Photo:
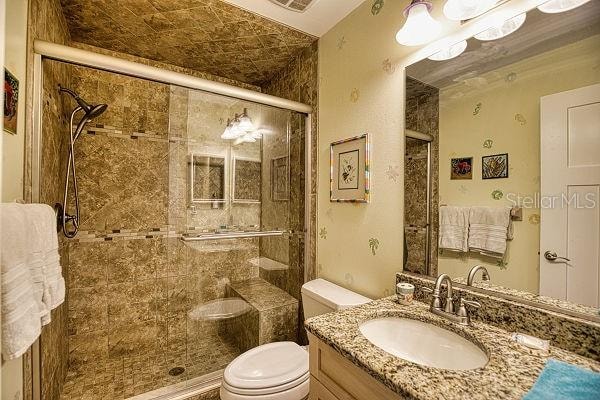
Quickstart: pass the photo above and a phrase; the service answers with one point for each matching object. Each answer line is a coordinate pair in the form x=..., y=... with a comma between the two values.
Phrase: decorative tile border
x=112, y=131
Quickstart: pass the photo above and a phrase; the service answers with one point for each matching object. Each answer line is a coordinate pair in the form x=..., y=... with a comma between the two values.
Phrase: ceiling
x=205, y=35
x=320, y=17
x=539, y=34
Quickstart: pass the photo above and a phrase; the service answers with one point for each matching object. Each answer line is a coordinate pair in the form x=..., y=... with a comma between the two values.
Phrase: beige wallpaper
x=361, y=89
x=496, y=113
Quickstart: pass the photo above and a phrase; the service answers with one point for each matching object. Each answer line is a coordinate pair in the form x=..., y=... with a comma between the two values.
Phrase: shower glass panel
x=149, y=306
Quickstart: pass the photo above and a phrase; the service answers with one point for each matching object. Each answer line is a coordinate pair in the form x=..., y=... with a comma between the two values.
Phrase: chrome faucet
x=462, y=315
x=485, y=275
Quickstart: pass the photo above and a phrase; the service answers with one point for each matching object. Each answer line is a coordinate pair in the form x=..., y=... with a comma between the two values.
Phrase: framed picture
x=11, y=102
x=349, y=173
x=461, y=168
x=495, y=166
x=279, y=179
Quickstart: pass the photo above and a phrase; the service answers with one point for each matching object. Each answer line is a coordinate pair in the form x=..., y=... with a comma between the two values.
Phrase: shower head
x=91, y=111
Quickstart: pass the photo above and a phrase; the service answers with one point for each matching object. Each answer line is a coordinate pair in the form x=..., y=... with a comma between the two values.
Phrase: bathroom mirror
x=246, y=180
x=207, y=178
x=512, y=123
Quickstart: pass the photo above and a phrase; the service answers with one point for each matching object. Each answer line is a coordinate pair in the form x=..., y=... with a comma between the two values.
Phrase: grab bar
x=232, y=235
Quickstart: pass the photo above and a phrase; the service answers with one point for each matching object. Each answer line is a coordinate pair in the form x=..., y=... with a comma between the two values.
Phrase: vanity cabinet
x=333, y=377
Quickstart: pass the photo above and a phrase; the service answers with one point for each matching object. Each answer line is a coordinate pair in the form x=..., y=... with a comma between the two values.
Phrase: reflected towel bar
x=232, y=235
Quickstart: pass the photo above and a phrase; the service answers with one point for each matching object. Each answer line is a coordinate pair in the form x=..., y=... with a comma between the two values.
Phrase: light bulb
x=502, y=29
x=420, y=27
x=558, y=6
x=460, y=10
x=450, y=52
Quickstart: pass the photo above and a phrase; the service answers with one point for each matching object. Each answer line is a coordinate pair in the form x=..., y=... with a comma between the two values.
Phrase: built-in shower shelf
x=220, y=309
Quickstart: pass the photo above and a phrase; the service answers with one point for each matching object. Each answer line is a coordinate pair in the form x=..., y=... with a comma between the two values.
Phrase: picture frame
x=280, y=179
x=11, y=102
x=207, y=177
x=349, y=170
x=461, y=168
x=494, y=166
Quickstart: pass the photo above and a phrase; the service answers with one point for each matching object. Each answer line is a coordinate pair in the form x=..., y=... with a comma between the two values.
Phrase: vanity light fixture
x=460, y=10
x=558, y=6
x=245, y=123
x=420, y=27
x=241, y=129
x=229, y=134
x=450, y=52
x=502, y=29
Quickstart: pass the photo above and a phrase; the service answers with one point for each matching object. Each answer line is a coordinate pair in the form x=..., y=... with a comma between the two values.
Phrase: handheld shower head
x=91, y=111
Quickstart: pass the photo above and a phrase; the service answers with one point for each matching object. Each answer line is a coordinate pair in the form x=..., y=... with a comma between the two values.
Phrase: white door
x=570, y=189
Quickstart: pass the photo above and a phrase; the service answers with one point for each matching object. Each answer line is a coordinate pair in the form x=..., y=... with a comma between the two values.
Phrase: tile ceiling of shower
x=205, y=35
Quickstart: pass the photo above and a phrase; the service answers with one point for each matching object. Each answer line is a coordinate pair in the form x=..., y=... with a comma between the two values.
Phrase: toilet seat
x=268, y=370
x=267, y=390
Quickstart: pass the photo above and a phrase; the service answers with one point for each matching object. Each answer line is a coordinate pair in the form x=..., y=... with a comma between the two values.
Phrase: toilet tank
x=320, y=296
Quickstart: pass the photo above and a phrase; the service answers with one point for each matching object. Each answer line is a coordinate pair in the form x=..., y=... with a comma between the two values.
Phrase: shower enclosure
x=421, y=177
x=190, y=247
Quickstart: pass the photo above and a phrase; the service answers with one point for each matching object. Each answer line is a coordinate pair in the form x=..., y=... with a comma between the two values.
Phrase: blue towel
x=562, y=381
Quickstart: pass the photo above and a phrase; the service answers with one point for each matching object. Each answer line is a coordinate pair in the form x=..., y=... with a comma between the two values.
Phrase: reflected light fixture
x=460, y=10
x=228, y=134
x=420, y=27
x=450, y=52
x=245, y=123
x=558, y=6
x=502, y=29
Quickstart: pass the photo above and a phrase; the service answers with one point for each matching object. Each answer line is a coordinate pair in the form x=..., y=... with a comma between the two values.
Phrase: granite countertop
x=511, y=371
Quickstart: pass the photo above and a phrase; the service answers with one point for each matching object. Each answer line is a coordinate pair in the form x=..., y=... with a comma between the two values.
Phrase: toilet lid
x=268, y=366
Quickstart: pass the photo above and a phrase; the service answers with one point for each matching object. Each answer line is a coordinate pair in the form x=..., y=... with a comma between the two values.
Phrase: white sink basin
x=423, y=343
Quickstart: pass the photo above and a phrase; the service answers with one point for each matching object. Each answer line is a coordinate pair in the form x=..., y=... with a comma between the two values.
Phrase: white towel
x=21, y=323
x=454, y=228
x=489, y=229
x=43, y=220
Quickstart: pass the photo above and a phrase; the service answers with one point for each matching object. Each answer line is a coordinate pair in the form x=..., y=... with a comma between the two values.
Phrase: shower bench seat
x=273, y=314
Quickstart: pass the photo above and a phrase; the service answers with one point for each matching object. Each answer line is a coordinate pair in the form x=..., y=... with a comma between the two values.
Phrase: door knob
x=551, y=256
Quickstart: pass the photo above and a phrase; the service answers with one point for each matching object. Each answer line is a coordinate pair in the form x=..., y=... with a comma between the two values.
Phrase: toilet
x=279, y=371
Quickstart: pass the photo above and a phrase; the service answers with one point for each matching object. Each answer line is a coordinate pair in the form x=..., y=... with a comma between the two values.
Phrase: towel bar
x=516, y=213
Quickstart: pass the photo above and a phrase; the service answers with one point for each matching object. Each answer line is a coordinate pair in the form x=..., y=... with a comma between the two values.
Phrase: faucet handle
x=435, y=300
x=471, y=303
x=427, y=290
x=462, y=310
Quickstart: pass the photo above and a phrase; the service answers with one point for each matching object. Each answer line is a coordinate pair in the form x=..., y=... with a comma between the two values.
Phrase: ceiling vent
x=295, y=5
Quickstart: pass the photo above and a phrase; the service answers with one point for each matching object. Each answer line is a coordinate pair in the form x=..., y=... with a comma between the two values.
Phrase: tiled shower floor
x=130, y=376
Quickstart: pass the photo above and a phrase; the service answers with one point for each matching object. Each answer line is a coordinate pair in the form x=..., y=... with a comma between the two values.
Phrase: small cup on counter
x=405, y=293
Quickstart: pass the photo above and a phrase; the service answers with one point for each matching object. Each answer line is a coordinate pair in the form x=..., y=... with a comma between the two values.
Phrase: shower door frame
x=70, y=55
x=427, y=138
